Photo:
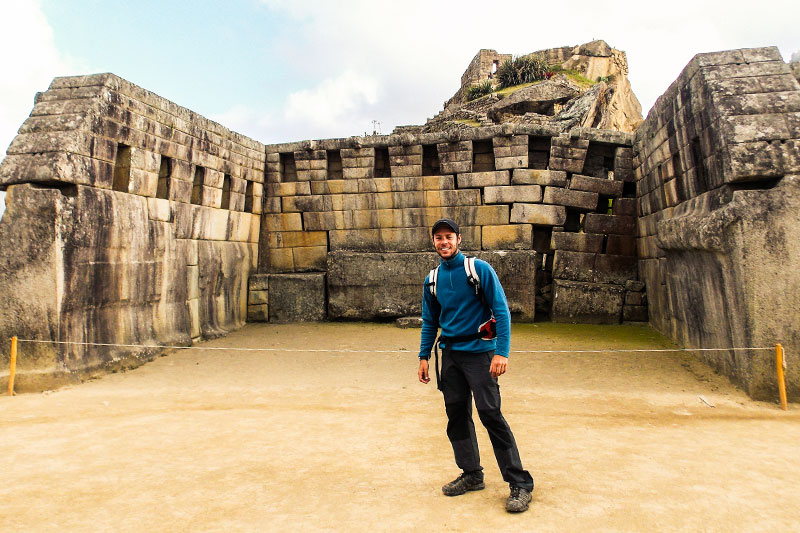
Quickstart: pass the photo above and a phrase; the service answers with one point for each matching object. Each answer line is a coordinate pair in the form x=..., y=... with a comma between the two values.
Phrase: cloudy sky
x=281, y=70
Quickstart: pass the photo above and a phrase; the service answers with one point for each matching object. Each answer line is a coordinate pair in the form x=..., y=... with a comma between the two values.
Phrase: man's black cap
x=448, y=223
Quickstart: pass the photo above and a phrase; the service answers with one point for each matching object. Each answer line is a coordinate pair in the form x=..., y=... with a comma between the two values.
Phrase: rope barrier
x=781, y=362
x=347, y=350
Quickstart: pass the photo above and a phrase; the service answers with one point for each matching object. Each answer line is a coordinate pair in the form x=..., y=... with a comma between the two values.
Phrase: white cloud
x=28, y=63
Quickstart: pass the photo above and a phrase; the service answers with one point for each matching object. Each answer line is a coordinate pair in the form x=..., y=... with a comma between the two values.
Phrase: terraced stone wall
x=717, y=164
x=557, y=213
x=129, y=220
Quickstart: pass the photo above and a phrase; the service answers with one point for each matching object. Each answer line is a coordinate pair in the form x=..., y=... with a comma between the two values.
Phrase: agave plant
x=482, y=89
x=525, y=69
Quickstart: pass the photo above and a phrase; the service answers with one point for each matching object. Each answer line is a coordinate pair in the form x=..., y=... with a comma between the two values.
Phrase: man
x=470, y=365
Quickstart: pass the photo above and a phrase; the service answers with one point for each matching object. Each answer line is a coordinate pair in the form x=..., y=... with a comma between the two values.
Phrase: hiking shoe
x=462, y=484
x=519, y=500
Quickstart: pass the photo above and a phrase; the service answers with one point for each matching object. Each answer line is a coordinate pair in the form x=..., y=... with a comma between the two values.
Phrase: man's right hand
x=422, y=373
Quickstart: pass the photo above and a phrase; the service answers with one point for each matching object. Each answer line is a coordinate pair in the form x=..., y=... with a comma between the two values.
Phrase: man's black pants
x=464, y=375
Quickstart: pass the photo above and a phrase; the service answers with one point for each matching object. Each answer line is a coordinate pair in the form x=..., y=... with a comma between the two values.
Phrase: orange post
x=12, y=366
x=781, y=381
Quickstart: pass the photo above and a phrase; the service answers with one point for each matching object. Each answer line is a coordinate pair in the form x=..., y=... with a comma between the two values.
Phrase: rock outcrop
x=608, y=104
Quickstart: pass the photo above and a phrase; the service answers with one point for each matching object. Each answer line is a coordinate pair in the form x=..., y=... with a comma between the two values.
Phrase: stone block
x=588, y=303
x=635, y=298
x=453, y=198
x=635, y=313
x=271, y=205
x=577, y=242
x=257, y=297
x=192, y=282
x=543, y=215
x=633, y=285
x=143, y=183
x=357, y=287
x=211, y=197
x=406, y=170
x=616, y=269
x=456, y=167
x=609, y=224
x=570, y=198
x=297, y=298
x=291, y=239
x=145, y=160
x=407, y=322
x=309, y=258
x=507, y=237
x=258, y=313
x=566, y=165
x=159, y=209
x=194, y=318
x=621, y=245
x=358, y=173
x=280, y=260
x=513, y=162
x=539, y=177
x=358, y=290
x=283, y=222
x=508, y=194
x=213, y=178
x=574, y=266
x=483, y=179
x=258, y=282
x=291, y=188
x=624, y=206
x=605, y=187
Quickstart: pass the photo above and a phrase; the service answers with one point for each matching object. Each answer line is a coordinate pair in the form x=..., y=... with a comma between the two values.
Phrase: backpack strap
x=475, y=281
x=433, y=276
x=472, y=275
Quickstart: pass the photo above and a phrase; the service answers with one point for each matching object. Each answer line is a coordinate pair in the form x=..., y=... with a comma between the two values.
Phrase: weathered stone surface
x=409, y=322
x=297, y=297
x=545, y=215
x=634, y=313
x=577, y=242
x=357, y=287
x=539, y=177
x=577, y=302
x=125, y=280
x=615, y=269
x=508, y=237
x=539, y=98
x=570, y=198
x=483, y=179
x=575, y=266
x=512, y=193
x=632, y=285
x=621, y=245
x=611, y=224
x=605, y=187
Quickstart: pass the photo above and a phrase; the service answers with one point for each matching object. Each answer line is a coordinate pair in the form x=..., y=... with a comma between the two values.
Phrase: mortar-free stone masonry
x=132, y=220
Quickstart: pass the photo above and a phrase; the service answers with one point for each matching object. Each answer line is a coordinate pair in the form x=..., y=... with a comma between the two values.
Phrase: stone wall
x=560, y=206
x=717, y=165
x=128, y=220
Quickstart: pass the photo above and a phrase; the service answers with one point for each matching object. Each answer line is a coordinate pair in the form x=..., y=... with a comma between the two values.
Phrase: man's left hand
x=499, y=366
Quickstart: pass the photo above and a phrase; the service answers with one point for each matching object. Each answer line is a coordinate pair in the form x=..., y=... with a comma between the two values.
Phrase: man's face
x=446, y=243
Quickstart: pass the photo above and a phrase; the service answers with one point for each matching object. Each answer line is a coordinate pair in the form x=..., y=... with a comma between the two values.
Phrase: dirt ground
x=285, y=441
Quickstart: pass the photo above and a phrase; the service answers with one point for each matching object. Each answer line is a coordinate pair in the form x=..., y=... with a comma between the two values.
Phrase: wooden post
x=12, y=366
x=781, y=380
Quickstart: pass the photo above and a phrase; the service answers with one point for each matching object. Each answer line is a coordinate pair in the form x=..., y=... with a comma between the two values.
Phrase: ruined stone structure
x=553, y=208
x=128, y=220
x=131, y=220
x=607, y=102
x=718, y=179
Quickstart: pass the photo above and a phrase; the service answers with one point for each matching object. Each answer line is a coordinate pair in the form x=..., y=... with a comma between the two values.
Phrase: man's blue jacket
x=458, y=311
